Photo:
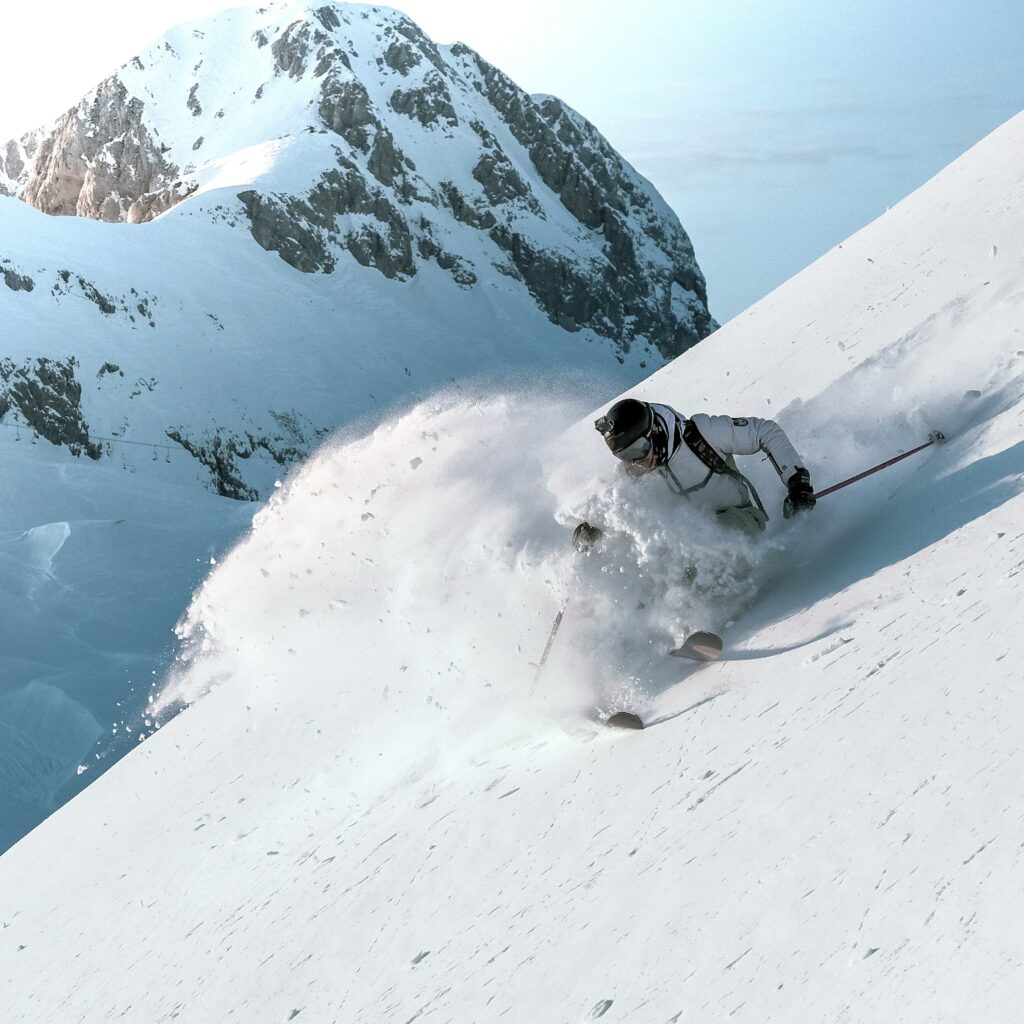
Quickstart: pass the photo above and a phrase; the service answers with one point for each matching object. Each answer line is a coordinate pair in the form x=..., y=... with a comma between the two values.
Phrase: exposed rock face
x=16, y=159
x=428, y=156
x=594, y=184
x=402, y=57
x=100, y=161
x=220, y=454
x=302, y=229
x=49, y=398
x=430, y=104
x=12, y=168
x=502, y=183
x=14, y=280
x=345, y=110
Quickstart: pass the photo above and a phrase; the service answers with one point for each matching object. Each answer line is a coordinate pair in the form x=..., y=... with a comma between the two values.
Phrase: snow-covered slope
x=377, y=812
x=95, y=570
x=273, y=223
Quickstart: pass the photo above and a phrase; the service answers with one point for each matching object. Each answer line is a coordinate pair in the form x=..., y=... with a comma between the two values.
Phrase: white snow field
x=374, y=812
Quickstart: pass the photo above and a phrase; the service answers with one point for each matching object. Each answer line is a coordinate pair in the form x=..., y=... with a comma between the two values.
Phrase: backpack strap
x=698, y=444
x=695, y=441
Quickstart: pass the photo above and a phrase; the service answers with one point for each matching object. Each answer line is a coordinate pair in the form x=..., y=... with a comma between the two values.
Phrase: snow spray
x=411, y=575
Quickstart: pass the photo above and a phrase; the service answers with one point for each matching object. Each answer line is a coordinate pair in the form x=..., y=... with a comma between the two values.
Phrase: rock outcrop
x=100, y=161
x=304, y=230
x=48, y=396
x=13, y=278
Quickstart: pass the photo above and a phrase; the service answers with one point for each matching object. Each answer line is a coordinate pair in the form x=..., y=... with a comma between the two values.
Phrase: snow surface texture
x=375, y=806
x=200, y=351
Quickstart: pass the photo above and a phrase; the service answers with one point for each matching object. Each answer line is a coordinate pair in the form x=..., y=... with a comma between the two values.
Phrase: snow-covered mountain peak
x=386, y=149
x=336, y=138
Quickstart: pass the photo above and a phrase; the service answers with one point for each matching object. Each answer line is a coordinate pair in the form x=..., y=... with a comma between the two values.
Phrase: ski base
x=624, y=720
x=699, y=647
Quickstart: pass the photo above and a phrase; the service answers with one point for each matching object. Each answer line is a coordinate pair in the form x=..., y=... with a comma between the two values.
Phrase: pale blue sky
x=773, y=129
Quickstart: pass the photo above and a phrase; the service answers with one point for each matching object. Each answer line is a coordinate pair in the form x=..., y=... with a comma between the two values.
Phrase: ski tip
x=624, y=720
x=699, y=647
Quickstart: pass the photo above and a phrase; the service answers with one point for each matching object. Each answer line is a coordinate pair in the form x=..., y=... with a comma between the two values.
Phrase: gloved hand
x=801, y=494
x=585, y=536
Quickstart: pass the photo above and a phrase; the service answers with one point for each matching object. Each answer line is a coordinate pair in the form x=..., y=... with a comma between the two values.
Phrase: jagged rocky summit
x=338, y=135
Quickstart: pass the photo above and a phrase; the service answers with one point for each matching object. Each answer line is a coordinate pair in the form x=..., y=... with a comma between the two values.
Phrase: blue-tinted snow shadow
x=759, y=653
x=891, y=532
x=669, y=672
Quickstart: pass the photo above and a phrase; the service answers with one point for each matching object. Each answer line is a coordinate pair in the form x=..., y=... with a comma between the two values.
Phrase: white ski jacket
x=685, y=472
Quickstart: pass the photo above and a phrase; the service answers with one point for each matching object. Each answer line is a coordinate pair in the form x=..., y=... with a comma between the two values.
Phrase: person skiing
x=695, y=457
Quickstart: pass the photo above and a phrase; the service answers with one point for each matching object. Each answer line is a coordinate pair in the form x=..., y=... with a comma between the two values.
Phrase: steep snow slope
x=376, y=813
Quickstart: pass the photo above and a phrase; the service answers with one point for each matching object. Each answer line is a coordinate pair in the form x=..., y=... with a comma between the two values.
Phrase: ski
x=699, y=647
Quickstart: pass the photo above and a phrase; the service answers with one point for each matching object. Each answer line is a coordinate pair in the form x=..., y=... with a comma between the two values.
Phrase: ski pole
x=936, y=437
x=551, y=640
x=584, y=537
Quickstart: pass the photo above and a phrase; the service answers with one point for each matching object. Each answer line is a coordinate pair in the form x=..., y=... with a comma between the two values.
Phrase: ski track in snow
x=368, y=814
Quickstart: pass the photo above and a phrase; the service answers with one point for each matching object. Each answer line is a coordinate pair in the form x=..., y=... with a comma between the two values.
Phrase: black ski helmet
x=624, y=422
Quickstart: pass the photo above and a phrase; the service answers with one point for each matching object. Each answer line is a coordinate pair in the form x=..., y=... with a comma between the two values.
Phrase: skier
x=695, y=458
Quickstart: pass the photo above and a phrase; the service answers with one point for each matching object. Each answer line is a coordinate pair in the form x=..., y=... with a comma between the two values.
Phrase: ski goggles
x=635, y=451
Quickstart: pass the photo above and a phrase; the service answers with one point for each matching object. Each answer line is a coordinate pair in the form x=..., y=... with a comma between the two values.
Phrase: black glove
x=585, y=536
x=801, y=496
